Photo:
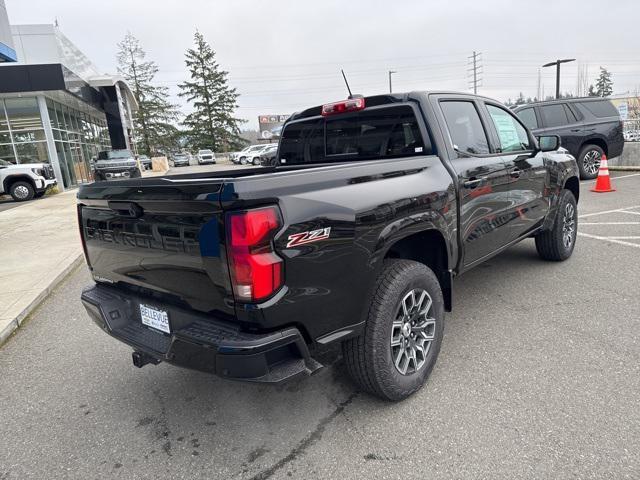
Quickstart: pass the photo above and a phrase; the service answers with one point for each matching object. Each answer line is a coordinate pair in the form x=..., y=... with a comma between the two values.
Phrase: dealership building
x=55, y=105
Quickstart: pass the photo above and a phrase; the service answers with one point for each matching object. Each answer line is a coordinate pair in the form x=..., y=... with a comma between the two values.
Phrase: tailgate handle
x=127, y=209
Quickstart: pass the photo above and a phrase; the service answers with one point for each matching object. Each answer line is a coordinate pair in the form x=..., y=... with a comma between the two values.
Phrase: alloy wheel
x=568, y=225
x=21, y=192
x=413, y=332
x=591, y=162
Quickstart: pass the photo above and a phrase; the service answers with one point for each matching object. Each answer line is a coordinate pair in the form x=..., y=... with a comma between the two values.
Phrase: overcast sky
x=285, y=55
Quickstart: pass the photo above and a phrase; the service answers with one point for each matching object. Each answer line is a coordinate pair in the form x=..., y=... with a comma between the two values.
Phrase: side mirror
x=549, y=143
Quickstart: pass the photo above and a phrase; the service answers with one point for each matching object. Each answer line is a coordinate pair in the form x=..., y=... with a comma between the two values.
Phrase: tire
x=136, y=173
x=22, y=191
x=243, y=161
x=589, y=161
x=256, y=161
x=370, y=356
x=558, y=243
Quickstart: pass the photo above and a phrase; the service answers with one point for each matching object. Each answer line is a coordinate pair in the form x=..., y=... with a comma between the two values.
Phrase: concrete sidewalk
x=39, y=246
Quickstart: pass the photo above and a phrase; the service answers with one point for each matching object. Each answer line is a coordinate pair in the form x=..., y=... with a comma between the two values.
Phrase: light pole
x=391, y=72
x=557, y=64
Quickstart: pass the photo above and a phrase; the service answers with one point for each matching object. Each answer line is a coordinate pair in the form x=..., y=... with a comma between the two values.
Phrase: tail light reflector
x=256, y=270
x=351, y=105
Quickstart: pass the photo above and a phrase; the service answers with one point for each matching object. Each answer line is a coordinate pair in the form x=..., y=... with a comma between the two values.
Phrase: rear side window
x=371, y=134
x=554, y=115
x=465, y=127
x=601, y=108
x=528, y=117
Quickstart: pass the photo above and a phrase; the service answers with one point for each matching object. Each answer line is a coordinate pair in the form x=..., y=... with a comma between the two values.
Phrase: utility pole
x=476, y=70
x=390, y=73
x=557, y=64
x=538, y=92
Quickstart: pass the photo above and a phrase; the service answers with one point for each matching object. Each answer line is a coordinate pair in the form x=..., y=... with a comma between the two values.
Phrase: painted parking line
x=614, y=177
x=609, y=223
x=624, y=209
x=628, y=211
x=609, y=239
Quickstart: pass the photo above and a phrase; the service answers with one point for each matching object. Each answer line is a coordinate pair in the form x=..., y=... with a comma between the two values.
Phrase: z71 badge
x=311, y=236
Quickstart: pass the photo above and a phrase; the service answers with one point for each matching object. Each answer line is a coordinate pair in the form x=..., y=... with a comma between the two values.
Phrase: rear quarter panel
x=368, y=206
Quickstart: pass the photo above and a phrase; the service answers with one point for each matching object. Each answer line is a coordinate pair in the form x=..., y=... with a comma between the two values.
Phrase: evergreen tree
x=155, y=119
x=212, y=123
x=592, y=91
x=604, y=84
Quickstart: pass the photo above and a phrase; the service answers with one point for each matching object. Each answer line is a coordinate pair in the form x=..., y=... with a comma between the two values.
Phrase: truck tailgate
x=158, y=238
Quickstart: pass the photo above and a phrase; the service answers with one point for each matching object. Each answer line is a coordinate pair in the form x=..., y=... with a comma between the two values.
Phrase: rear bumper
x=199, y=342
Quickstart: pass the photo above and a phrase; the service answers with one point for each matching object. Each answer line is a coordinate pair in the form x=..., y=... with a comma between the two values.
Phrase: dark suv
x=587, y=127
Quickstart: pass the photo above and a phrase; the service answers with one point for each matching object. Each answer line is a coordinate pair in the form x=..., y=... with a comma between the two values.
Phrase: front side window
x=554, y=115
x=465, y=127
x=512, y=136
x=528, y=117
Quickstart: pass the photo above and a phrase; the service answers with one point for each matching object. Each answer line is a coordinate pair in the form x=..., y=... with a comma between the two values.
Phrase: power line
x=475, y=71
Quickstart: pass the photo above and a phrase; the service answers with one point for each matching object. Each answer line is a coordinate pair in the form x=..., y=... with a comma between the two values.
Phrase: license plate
x=117, y=174
x=154, y=318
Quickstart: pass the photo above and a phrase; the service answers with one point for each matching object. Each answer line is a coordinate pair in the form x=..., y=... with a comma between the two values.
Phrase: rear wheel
x=557, y=244
x=256, y=161
x=394, y=356
x=22, y=191
x=589, y=161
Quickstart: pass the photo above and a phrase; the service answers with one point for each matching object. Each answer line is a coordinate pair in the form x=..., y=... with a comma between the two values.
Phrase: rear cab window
x=375, y=133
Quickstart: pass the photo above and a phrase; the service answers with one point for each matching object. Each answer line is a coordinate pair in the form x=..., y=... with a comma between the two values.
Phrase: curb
x=625, y=168
x=18, y=320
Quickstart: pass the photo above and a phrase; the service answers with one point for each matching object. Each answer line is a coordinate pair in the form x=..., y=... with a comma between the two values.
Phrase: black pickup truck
x=354, y=237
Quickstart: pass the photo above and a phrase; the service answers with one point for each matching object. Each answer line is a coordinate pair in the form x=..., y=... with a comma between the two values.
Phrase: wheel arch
x=597, y=141
x=573, y=185
x=10, y=180
x=428, y=247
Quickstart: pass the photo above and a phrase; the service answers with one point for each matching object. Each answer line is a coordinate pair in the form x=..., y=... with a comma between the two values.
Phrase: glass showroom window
x=6, y=144
x=25, y=131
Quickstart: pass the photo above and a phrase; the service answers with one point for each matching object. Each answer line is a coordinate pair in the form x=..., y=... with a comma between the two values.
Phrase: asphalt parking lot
x=538, y=377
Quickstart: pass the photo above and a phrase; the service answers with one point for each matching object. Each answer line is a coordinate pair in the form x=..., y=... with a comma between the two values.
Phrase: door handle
x=473, y=182
x=576, y=129
x=515, y=173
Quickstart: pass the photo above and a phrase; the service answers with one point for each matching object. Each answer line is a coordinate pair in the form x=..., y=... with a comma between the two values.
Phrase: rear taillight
x=256, y=271
x=351, y=105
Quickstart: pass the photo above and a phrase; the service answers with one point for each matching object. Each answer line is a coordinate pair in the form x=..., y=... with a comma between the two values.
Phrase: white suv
x=251, y=155
x=26, y=181
x=206, y=156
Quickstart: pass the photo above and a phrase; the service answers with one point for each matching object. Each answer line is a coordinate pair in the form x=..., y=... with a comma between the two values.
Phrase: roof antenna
x=347, y=83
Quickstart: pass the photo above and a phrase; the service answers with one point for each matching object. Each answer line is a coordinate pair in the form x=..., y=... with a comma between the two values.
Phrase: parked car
x=254, y=157
x=375, y=206
x=145, y=162
x=180, y=160
x=206, y=156
x=268, y=156
x=251, y=152
x=25, y=181
x=632, y=136
x=115, y=164
x=587, y=127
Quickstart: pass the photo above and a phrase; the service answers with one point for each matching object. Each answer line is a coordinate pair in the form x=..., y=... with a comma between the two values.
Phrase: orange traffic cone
x=603, y=182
